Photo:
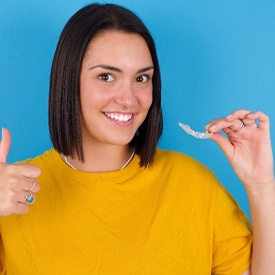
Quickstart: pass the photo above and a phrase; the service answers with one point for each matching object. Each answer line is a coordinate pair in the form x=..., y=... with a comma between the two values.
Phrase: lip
x=119, y=118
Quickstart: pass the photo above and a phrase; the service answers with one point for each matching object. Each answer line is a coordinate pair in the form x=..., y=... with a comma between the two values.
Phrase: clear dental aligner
x=193, y=133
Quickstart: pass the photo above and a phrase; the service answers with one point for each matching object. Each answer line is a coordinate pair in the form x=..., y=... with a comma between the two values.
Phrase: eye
x=106, y=77
x=143, y=78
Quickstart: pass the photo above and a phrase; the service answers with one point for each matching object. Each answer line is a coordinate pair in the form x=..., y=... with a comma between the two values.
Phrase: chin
x=123, y=141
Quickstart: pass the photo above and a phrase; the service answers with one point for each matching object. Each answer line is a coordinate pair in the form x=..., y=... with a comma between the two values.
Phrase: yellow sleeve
x=232, y=241
x=2, y=258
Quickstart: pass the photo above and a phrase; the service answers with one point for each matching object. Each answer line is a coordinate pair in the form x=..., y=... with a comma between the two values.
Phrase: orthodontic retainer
x=193, y=133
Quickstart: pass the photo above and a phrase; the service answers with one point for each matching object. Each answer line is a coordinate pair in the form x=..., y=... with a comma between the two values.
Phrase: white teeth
x=119, y=117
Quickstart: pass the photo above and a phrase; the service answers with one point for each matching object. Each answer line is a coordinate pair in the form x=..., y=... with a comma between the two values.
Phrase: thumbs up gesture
x=17, y=181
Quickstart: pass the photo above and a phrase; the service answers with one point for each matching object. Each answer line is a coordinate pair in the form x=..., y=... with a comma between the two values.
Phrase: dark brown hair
x=64, y=98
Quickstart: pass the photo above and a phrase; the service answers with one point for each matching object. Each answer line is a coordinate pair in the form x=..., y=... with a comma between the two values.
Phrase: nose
x=126, y=96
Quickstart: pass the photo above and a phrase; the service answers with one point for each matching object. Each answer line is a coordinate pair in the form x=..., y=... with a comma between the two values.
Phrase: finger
x=27, y=198
x=21, y=208
x=261, y=117
x=224, y=144
x=17, y=208
x=26, y=184
x=25, y=170
x=35, y=186
x=29, y=184
x=250, y=122
x=233, y=122
x=15, y=181
x=237, y=125
x=5, y=145
x=11, y=197
x=10, y=201
x=238, y=114
x=222, y=124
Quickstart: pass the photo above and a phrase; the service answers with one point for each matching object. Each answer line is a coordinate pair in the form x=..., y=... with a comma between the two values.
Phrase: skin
x=15, y=181
x=116, y=73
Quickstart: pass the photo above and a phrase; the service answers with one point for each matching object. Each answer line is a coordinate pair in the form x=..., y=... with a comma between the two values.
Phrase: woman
x=110, y=202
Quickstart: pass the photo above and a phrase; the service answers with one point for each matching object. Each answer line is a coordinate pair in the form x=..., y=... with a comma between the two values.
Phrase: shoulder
x=186, y=172
x=43, y=160
x=179, y=161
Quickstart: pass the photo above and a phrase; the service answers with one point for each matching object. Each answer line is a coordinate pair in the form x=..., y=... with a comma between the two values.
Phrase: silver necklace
x=123, y=166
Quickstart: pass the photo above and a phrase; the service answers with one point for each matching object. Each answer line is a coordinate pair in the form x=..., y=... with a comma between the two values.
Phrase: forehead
x=112, y=47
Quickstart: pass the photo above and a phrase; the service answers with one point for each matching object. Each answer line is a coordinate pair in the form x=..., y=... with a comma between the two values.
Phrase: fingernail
x=229, y=116
x=213, y=127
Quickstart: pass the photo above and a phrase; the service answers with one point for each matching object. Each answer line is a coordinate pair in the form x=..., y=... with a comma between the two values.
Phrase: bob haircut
x=64, y=97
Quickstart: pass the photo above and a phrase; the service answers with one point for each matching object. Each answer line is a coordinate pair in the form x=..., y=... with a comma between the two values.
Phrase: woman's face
x=116, y=74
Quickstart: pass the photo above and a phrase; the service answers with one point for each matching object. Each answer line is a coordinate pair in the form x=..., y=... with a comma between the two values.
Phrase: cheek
x=147, y=98
x=88, y=104
x=91, y=97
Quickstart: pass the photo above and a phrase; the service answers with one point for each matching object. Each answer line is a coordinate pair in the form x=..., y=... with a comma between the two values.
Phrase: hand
x=247, y=146
x=17, y=184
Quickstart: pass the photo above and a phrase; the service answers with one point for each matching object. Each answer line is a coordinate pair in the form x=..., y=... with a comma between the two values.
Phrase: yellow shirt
x=172, y=218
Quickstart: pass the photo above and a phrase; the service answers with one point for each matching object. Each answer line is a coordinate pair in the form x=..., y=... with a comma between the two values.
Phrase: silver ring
x=33, y=185
x=241, y=126
x=29, y=197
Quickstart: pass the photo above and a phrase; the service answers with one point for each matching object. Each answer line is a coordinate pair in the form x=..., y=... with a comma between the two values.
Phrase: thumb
x=224, y=144
x=5, y=145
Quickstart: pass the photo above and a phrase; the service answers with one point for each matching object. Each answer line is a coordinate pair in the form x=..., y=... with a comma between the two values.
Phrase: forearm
x=262, y=206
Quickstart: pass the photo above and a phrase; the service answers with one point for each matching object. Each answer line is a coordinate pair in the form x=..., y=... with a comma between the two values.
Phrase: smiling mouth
x=119, y=117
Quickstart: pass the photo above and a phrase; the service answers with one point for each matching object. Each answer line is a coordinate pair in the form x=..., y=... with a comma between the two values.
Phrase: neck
x=102, y=160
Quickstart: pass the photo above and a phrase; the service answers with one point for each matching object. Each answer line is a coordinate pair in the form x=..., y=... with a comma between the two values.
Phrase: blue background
x=215, y=56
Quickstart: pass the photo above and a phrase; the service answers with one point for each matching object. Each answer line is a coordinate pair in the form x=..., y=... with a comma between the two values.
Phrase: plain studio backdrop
x=215, y=56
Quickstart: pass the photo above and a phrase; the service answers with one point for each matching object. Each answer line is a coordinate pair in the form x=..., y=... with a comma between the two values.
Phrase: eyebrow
x=112, y=68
